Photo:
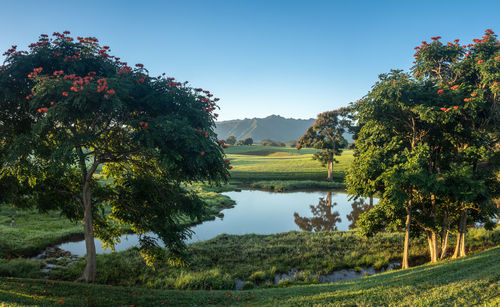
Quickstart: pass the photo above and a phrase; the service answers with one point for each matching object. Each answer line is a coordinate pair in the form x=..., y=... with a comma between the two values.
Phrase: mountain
x=274, y=127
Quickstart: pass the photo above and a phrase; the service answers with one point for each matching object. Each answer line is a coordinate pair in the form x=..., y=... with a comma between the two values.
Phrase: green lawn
x=264, y=163
x=470, y=281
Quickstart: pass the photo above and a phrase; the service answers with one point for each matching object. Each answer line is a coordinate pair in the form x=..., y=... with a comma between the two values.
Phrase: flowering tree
x=427, y=145
x=326, y=134
x=81, y=130
x=468, y=76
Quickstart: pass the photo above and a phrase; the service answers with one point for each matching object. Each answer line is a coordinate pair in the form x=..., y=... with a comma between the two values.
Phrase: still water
x=262, y=212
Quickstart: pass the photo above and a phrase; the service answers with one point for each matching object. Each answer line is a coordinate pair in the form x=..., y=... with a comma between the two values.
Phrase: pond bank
x=217, y=263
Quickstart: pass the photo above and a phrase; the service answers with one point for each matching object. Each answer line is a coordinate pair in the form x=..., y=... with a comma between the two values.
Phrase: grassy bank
x=266, y=163
x=216, y=263
x=470, y=281
x=294, y=185
x=32, y=231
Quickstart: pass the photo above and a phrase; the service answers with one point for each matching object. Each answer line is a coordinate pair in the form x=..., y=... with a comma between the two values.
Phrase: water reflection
x=325, y=219
x=263, y=212
x=358, y=207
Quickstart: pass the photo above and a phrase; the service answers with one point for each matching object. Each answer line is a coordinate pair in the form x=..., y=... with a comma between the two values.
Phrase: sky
x=290, y=58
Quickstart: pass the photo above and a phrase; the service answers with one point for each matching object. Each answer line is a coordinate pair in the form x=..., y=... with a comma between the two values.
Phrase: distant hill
x=274, y=127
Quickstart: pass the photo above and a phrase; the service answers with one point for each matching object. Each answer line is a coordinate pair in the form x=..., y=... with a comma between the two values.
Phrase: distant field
x=258, y=163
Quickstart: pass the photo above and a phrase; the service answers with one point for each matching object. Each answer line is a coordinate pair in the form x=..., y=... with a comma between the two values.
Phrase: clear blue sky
x=292, y=58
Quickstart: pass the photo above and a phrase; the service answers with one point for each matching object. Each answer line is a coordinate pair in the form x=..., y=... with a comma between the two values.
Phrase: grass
x=216, y=263
x=470, y=281
x=32, y=231
x=294, y=185
x=265, y=163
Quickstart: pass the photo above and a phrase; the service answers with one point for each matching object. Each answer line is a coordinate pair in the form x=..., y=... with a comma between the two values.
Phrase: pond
x=262, y=212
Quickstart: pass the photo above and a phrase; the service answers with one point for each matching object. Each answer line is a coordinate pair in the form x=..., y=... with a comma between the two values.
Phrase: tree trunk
x=371, y=201
x=405, y=264
x=432, y=240
x=330, y=171
x=90, y=268
x=444, y=243
x=462, y=227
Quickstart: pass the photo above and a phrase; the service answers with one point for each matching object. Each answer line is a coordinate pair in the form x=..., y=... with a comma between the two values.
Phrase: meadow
x=470, y=281
x=266, y=167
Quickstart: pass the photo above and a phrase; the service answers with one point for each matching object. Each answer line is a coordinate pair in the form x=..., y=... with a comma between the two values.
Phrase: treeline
x=231, y=140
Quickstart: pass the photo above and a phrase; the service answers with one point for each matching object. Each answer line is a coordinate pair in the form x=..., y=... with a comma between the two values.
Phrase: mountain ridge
x=273, y=127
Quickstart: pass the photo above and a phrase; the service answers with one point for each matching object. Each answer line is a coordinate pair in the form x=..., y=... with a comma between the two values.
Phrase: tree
x=291, y=143
x=326, y=134
x=390, y=151
x=248, y=141
x=72, y=114
x=231, y=140
x=420, y=148
x=469, y=75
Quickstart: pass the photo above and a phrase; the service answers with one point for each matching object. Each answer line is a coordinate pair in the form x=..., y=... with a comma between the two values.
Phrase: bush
x=212, y=279
x=248, y=285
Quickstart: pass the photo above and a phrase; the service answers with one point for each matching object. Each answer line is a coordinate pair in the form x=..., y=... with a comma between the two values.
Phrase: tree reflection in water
x=325, y=219
x=358, y=207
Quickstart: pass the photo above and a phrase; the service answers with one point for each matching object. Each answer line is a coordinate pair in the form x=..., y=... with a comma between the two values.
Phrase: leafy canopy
x=74, y=117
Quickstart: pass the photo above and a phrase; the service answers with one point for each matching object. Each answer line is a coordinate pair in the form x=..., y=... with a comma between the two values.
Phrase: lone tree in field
x=81, y=130
x=326, y=134
x=248, y=141
x=231, y=140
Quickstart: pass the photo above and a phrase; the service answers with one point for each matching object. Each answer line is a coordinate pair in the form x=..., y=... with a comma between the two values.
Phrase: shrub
x=212, y=280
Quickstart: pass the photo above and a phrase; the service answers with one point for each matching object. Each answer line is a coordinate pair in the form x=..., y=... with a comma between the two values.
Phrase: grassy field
x=470, y=281
x=265, y=163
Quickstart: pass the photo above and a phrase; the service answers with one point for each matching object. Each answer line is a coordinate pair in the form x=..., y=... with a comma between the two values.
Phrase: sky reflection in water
x=262, y=213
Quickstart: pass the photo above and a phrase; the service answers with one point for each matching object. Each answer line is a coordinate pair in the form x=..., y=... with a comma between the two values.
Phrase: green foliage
x=69, y=109
x=426, y=141
x=326, y=134
x=212, y=279
x=231, y=140
x=248, y=141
